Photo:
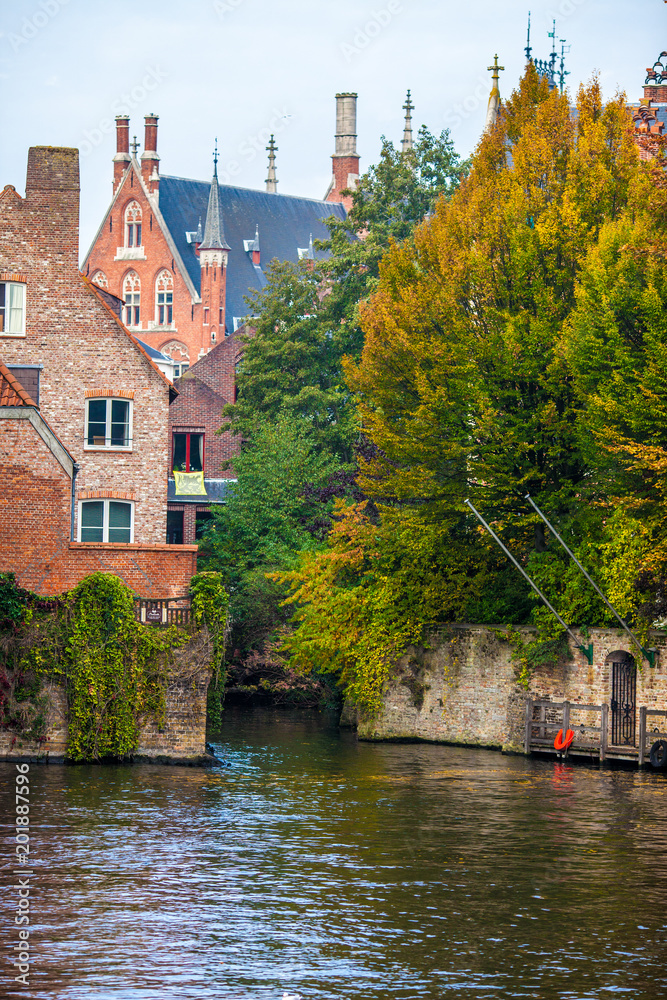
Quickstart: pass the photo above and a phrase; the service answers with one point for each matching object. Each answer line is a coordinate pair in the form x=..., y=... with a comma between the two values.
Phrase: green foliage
x=307, y=320
x=514, y=344
x=114, y=669
x=210, y=608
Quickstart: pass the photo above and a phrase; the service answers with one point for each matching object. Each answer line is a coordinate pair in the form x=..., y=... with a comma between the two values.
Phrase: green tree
x=307, y=318
x=494, y=347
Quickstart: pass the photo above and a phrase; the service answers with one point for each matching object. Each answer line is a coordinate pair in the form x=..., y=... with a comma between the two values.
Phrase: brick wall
x=34, y=505
x=470, y=694
x=80, y=343
x=181, y=738
x=203, y=391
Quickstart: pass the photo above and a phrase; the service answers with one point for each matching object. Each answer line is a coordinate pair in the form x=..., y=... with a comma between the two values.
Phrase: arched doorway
x=623, y=698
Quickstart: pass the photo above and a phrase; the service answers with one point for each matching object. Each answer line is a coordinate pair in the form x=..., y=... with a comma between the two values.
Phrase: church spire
x=408, y=107
x=271, y=180
x=494, y=97
x=214, y=233
x=528, y=50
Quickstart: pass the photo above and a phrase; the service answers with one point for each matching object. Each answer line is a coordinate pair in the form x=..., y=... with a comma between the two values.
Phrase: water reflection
x=317, y=865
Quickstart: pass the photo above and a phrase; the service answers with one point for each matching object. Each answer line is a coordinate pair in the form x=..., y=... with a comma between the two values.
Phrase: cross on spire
x=215, y=153
x=134, y=145
x=495, y=71
x=494, y=97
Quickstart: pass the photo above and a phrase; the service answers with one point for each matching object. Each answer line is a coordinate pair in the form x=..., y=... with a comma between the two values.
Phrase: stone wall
x=461, y=687
x=181, y=739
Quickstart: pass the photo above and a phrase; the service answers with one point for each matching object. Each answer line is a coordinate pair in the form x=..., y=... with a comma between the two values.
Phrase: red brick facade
x=203, y=391
x=84, y=351
x=151, y=267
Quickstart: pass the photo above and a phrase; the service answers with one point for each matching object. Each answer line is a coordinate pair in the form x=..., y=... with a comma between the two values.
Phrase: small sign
x=154, y=613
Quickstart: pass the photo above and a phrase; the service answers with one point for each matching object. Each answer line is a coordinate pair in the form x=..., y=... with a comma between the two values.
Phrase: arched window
x=132, y=297
x=164, y=298
x=100, y=278
x=133, y=224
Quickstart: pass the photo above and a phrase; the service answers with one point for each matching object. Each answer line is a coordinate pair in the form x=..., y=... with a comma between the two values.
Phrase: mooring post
x=642, y=735
x=604, y=730
x=566, y=717
x=529, y=720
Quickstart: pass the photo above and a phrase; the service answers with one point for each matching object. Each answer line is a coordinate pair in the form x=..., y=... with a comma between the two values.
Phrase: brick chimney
x=121, y=160
x=150, y=161
x=52, y=194
x=345, y=160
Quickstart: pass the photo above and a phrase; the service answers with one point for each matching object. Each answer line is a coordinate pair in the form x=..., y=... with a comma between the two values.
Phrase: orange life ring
x=563, y=744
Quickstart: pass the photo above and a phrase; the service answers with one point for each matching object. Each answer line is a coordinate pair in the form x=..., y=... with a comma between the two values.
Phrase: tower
x=213, y=254
x=345, y=160
x=406, y=142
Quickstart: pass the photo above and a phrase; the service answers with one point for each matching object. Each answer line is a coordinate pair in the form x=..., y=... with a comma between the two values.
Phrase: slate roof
x=285, y=224
x=12, y=392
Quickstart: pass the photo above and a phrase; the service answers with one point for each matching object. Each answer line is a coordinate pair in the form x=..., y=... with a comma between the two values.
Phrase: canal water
x=317, y=866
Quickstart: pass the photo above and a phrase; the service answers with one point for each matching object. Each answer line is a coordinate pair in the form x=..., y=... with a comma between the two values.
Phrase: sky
x=237, y=70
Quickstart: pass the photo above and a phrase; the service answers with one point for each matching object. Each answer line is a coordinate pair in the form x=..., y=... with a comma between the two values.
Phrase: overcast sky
x=237, y=69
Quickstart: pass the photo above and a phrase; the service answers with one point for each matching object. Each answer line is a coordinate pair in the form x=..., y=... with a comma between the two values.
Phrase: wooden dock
x=591, y=727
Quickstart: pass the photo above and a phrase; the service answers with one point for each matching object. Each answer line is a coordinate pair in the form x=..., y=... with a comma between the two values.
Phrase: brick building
x=650, y=114
x=195, y=417
x=183, y=254
x=97, y=390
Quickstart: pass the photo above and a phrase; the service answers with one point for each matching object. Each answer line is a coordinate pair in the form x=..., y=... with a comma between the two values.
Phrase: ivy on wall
x=114, y=668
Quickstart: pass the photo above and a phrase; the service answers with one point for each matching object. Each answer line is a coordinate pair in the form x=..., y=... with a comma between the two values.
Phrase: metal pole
x=644, y=652
x=525, y=575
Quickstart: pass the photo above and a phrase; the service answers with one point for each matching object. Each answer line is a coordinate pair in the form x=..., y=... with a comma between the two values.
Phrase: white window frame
x=105, y=519
x=8, y=285
x=107, y=446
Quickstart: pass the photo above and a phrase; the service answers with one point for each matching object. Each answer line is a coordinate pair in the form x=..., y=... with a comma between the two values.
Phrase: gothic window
x=132, y=297
x=99, y=278
x=133, y=224
x=164, y=298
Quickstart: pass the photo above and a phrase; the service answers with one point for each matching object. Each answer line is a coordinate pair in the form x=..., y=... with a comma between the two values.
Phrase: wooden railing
x=644, y=735
x=564, y=717
x=163, y=612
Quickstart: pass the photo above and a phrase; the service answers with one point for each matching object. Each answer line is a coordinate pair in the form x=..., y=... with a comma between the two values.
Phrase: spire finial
x=528, y=49
x=135, y=145
x=408, y=107
x=494, y=97
x=271, y=180
x=215, y=156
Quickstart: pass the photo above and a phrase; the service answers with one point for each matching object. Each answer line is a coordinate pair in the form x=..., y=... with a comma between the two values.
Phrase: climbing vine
x=210, y=609
x=114, y=669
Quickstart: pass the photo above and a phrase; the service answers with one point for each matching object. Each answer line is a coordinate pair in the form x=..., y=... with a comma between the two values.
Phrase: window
x=105, y=521
x=188, y=452
x=213, y=336
x=179, y=369
x=174, y=527
x=108, y=423
x=12, y=308
x=205, y=317
x=132, y=297
x=133, y=224
x=164, y=292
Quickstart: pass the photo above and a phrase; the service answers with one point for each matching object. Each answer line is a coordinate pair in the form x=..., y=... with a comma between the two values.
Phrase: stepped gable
x=12, y=392
x=284, y=223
